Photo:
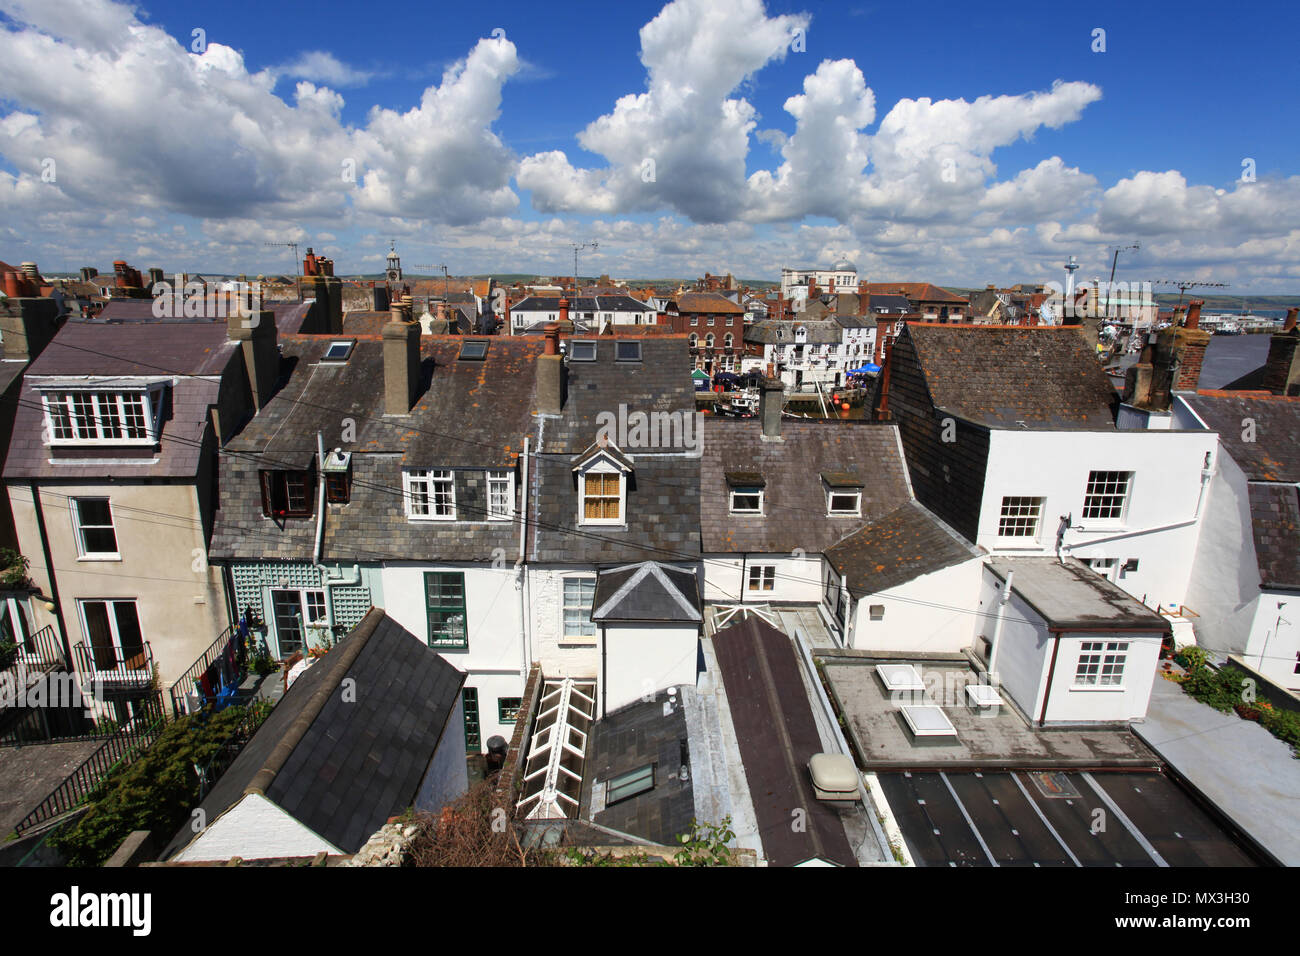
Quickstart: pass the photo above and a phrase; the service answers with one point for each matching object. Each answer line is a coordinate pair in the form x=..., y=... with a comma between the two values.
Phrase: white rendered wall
x=644, y=658
x=1070, y=704
x=558, y=656
x=798, y=579
x=1275, y=634
x=1224, y=585
x=912, y=622
x=1164, y=492
x=494, y=659
x=255, y=829
x=1023, y=645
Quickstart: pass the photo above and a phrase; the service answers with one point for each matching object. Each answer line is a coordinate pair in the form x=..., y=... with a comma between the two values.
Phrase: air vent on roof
x=339, y=351
x=582, y=350
x=473, y=350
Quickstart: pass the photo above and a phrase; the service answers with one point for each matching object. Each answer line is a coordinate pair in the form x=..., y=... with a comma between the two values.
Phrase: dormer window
x=603, y=474
x=843, y=493
x=90, y=416
x=287, y=494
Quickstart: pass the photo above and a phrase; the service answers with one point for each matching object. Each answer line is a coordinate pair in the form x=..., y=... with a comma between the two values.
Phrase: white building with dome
x=840, y=277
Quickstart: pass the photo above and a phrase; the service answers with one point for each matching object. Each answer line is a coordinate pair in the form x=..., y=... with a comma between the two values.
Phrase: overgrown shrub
x=157, y=792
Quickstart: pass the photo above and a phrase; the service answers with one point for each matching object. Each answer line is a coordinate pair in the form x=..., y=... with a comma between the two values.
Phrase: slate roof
x=794, y=499
x=648, y=591
x=1001, y=376
x=1071, y=596
x=895, y=548
x=352, y=760
x=1274, y=455
x=630, y=738
x=194, y=355
x=780, y=332
x=663, y=520
x=1275, y=524
x=469, y=416
x=581, y=303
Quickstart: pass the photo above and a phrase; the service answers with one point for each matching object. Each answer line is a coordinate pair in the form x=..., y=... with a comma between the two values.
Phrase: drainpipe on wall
x=519, y=563
x=49, y=574
x=1051, y=675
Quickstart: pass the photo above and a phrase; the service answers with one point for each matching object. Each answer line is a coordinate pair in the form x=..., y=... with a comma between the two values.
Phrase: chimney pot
x=1194, y=313
x=1290, y=323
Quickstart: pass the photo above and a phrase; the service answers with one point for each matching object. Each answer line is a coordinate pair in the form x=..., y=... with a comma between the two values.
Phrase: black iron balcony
x=114, y=670
x=24, y=663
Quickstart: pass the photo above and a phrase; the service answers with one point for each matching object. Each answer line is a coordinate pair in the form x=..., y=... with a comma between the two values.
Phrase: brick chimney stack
x=27, y=322
x=1282, y=370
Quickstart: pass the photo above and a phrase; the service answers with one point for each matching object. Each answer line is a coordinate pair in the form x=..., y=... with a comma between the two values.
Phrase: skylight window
x=339, y=351
x=628, y=785
x=473, y=350
x=582, y=350
x=627, y=351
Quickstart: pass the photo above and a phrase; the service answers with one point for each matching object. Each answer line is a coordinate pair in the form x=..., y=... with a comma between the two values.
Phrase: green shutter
x=469, y=700
x=444, y=601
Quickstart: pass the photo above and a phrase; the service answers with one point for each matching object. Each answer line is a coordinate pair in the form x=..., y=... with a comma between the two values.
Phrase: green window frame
x=508, y=709
x=444, y=602
x=473, y=734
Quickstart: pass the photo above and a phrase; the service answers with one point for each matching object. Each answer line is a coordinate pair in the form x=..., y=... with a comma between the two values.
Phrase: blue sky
x=492, y=174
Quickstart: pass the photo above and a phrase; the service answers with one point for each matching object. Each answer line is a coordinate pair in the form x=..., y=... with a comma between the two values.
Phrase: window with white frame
x=844, y=501
x=746, y=501
x=430, y=494
x=501, y=495
x=88, y=416
x=602, y=497
x=1101, y=664
x=93, y=520
x=762, y=577
x=1106, y=495
x=578, y=596
x=1020, y=517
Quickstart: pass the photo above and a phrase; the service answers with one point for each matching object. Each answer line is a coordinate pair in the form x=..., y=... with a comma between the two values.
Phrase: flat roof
x=1250, y=775
x=1039, y=819
x=1069, y=595
x=995, y=740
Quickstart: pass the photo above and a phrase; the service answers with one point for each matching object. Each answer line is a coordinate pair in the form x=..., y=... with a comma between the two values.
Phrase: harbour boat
x=741, y=405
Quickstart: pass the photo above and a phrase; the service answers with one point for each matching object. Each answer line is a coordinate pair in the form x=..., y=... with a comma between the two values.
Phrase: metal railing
x=118, y=750
x=113, y=669
x=188, y=684
x=34, y=656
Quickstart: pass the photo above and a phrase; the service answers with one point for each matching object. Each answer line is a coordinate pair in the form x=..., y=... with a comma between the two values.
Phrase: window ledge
x=99, y=557
x=575, y=645
x=1089, y=688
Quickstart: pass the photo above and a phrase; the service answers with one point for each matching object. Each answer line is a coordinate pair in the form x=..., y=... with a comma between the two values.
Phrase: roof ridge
x=263, y=779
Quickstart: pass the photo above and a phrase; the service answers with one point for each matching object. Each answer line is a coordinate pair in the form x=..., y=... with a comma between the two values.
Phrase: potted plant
x=13, y=569
x=8, y=652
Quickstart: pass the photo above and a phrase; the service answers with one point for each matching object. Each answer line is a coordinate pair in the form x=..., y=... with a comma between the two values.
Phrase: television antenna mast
x=446, y=281
x=296, y=260
x=1113, y=263
x=1184, y=285
x=577, y=247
